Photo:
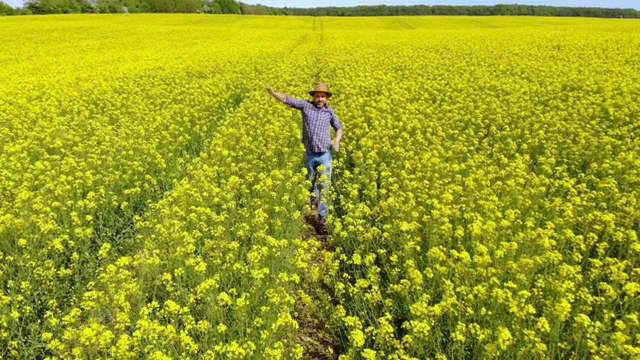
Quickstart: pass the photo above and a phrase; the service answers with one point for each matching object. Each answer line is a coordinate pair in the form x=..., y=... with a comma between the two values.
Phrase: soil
x=314, y=334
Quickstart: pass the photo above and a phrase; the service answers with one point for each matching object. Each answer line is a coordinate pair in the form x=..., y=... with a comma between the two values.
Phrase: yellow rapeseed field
x=484, y=204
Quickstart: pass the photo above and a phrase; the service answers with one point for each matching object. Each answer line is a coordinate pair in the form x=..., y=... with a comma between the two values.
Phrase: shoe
x=322, y=227
x=313, y=201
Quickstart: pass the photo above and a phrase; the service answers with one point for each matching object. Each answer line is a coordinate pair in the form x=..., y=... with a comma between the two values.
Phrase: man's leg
x=310, y=162
x=324, y=179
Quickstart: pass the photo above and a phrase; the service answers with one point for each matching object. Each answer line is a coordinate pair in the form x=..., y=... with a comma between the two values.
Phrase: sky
x=624, y=4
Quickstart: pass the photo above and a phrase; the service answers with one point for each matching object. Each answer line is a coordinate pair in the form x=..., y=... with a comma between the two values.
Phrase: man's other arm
x=335, y=144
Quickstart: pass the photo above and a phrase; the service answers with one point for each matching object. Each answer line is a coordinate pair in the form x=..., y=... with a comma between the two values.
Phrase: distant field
x=484, y=204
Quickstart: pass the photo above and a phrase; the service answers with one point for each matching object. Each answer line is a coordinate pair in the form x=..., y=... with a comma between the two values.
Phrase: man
x=317, y=121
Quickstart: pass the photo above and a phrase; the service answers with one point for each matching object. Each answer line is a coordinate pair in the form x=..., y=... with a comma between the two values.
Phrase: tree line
x=478, y=10
x=122, y=6
x=234, y=7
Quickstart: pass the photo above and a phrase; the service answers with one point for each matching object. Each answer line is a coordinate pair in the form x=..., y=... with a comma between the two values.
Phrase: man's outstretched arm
x=280, y=97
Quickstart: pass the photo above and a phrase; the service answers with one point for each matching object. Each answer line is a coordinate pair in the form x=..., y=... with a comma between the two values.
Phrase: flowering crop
x=484, y=203
x=488, y=201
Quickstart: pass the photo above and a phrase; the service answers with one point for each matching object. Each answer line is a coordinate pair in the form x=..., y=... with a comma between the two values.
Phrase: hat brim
x=326, y=92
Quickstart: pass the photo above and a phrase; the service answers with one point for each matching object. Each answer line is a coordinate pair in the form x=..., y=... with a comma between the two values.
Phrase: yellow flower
x=356, y=337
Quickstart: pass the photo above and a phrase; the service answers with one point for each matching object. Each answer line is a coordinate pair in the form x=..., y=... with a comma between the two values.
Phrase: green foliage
x=500, y=9
x=87, y=8
x=255, y=9
x=234, y=7
x=226, y=7
x=109, y=7
x=56, y=6
x=126, y=6
x=172, y=6
x=5, y=9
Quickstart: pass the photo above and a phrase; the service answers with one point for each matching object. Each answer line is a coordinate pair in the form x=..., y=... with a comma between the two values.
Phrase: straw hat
x=320, y=87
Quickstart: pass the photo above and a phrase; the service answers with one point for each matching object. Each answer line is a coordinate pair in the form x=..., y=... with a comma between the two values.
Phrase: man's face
x=320, y=99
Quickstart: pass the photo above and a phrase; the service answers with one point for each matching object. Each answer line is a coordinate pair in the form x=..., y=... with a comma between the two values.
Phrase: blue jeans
x=319, y=187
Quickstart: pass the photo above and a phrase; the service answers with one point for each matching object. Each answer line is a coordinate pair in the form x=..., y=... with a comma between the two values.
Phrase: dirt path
x=314, y=334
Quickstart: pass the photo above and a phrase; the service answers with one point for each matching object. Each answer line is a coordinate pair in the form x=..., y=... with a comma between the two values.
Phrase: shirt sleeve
x=335, y=123
x=295, y=103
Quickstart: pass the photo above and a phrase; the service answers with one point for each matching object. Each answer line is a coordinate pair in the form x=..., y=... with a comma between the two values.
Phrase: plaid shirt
x=316, y=124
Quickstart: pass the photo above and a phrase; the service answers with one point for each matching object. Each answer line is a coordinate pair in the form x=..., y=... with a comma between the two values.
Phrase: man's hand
x=335, y=145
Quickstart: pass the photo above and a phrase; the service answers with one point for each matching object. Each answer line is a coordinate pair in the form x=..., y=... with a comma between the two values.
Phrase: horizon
x=620, y=4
